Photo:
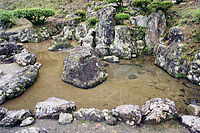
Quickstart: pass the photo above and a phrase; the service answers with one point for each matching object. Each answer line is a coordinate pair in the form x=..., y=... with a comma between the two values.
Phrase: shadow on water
x=129, y=82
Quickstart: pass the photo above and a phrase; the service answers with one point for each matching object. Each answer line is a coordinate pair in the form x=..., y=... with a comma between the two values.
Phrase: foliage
x=163, y=6
x=195, y=35
x=81, y=13
x=197, y=15
x=5, y=16
x=35, y=15
x=141, y=4
x=98, y=8
x=92, y=21
x=120, y=17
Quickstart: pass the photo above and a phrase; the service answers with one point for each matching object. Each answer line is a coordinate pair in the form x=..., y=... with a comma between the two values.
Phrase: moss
x=81, y=14
x=120, y=17
x=179, y=75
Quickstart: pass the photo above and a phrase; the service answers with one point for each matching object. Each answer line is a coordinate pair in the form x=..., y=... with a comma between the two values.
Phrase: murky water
x=148, y=81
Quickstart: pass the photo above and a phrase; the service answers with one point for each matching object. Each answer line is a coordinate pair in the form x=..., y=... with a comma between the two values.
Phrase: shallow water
x=148, y=81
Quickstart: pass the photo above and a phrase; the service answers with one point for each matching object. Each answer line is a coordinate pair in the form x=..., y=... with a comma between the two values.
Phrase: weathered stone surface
x=2, y=96
x=140, y=46
x=193, y=110
x=65, y=118
x=83, y=69
x=52, y=107
x=175, y=35
x=68, y=33
x=194, y=70
x=123, y=46
x=81, y=31
x=130, y=114
x=89, y=40
x=90, y=114
x=33, y=130
x=72, y=20
x=139, y=20
x=192, y=122
x=20, y=81
x=27, y=121
x=171, y=59
x=156, y=28
x=14, y=117
x=3, y=112
x=111, y=59
x=25, y=58
x=157, y=110
x=60, y=46
x=105, y=26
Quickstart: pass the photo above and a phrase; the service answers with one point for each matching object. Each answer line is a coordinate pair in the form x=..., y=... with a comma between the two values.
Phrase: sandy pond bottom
x=148, y=81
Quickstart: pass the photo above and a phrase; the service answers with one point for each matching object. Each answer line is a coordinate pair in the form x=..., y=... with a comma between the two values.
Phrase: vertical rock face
x=171, y=59
x=52, y=107
x=175, y=35
x=83, y=68
x=123, y=45
x=81, y=31
x=194, y=70
x=155, y=29
x=105, y=28
x=157, y=110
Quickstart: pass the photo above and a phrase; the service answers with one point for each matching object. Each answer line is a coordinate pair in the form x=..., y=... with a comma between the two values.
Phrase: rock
x=60, y=46
x=111, y=59
x=52, y=107
x=33, y=130
x=20, y=81
x=27, y=121
x=2, y=96
x=65, y=118
x=157, y=110
x=155, y=31
x=83, y=69
x=81, y=31
x=194, y=70
x=25, y=58
x=90, y=114
x=175, y=35
x=110, y=120
x=105, y=28
x=1, y=72
x=192, y=122
x=130, y=114
x=89, y=40
x=171, y=59
x=132, y=77
x=139, y=20
x=3, y=112
x=123, y=46
x=68, y=33
x=14, y=117
x=72, y=20
x=140, y=46
x=193, y=110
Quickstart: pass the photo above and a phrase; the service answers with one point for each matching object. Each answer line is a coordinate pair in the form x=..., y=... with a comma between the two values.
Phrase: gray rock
x=3, y=112
x=175, y=35
x=193, y=110
x=27, y=121
x=90, y=114
x=171, y=59
x=157, y=110
x=81, y=31
x=14, y=117
x=89, y=40
x=52, y=107
x=1, y=72
x=110, y=120
x=65, y=118
x=192, y=122
x=194, y=70
x=111, y=59
x=60, y=46
x=25, y=58
x=156, y=28
x=83, y=69
x=123, y=46
x=140, y=46
x=68, y=33
x=139, y=20
x=2, y=96
x=72, y=20
x=33, y=130
x=130, y=114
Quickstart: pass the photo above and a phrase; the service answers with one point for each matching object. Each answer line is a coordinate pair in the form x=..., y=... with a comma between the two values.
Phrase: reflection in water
x=149, y=81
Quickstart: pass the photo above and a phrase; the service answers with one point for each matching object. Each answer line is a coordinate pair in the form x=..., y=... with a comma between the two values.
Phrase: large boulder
x=52, y=107
x=157, y=110
x=130, y=114
x=105, y=28
x=15, y=117
x=89, y=39
x=194, y=70
x=156, y=28
x=192, y=122
x=83, y=68
x=171, y=59
x=123, y=45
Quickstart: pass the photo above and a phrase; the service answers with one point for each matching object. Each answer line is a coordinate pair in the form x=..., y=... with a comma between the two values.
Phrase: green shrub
x=92, y=21
x=98, y=8
x=197, y=15
x=163, y=6
x=34, y=15
x=5, y=16
x=141, y=4
x=120, y=17
x=80, y=13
